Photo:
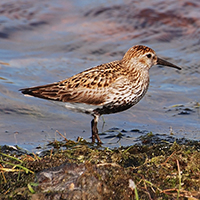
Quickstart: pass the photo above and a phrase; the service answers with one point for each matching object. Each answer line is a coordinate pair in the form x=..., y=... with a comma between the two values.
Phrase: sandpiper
x=108, y=88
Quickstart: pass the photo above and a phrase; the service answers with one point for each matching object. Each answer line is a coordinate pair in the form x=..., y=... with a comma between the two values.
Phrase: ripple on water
x=44, y=42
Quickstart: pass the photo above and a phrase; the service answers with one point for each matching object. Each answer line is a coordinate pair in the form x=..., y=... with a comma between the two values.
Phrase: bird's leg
x=95, y=130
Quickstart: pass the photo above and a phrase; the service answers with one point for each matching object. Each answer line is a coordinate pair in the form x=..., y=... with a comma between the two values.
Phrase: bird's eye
x=149, y=55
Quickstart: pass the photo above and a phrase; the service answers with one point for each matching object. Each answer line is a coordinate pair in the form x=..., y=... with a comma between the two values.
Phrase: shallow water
x=46, y=42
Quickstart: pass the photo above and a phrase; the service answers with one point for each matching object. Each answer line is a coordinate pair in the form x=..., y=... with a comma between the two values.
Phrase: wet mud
x=154, y=168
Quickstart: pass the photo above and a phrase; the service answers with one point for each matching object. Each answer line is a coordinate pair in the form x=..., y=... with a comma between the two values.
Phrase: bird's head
x=144, y=58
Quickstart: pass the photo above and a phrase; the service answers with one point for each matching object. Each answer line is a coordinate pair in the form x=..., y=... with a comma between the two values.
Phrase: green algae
x=159, y=169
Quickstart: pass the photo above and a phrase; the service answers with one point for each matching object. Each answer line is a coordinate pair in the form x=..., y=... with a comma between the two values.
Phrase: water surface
x=47, y=42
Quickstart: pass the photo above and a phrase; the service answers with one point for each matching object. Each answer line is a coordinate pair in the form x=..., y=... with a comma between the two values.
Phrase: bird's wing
x=58, y=92
x=90, y=86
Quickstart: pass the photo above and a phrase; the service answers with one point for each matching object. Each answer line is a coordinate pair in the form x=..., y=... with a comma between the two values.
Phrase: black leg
x=95, y=130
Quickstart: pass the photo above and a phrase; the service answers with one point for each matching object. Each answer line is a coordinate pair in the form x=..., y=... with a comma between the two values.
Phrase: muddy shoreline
x=154, y=168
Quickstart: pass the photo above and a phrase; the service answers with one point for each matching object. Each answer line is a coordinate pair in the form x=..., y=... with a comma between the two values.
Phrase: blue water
x=47, y=42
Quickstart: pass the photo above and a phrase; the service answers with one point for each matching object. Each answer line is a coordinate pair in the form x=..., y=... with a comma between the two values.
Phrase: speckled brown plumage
x=104, y=89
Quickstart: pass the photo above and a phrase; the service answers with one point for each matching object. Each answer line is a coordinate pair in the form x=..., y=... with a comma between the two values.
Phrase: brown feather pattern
x=104, y=89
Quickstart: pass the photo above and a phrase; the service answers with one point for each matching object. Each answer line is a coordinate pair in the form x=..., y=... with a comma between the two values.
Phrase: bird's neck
x=136, y=73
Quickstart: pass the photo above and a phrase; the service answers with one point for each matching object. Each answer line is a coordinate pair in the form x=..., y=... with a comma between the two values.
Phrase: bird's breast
x=124, y=97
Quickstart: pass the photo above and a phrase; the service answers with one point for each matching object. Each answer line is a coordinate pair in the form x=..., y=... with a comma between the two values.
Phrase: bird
x=104, y=89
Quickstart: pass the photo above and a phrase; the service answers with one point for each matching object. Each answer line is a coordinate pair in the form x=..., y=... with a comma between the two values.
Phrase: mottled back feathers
x=110, y=86
x=92, y=86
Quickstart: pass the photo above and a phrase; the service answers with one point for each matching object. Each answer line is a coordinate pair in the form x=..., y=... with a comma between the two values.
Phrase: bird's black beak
x=164, y=62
